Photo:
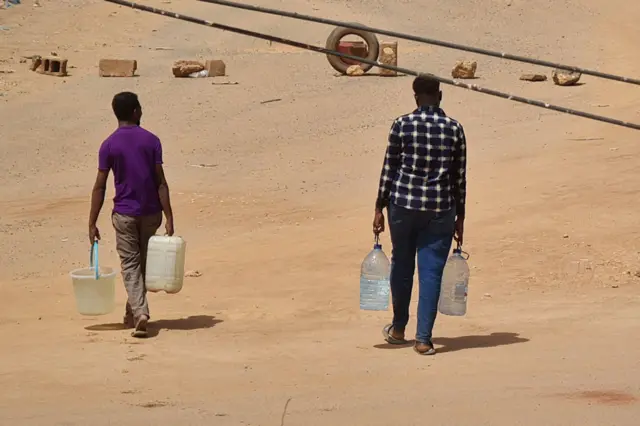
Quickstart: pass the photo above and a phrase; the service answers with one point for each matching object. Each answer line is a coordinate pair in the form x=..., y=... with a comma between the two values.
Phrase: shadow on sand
x=453, y=344
x=196, y=322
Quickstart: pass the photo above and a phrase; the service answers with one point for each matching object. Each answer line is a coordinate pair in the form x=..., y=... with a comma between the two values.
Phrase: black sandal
x=388, y=337
x=141, y=327
x=430, y=350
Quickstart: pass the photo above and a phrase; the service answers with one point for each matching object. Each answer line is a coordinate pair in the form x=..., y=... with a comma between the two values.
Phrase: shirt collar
x=429, y=110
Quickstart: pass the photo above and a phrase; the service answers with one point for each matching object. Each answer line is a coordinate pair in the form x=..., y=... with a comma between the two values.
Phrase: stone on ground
x=464, y=69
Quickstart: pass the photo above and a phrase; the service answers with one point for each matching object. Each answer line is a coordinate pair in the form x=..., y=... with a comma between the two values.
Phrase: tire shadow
x=453, y=344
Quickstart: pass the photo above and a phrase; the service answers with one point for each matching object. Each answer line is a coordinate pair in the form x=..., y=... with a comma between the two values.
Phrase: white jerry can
x=165, y=264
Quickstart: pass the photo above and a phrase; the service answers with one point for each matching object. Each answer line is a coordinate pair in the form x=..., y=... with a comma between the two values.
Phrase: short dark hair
x=124, y=105
x=426, y=85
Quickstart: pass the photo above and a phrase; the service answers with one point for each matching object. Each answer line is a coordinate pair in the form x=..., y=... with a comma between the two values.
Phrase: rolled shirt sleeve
x=390, y=166
x=459, y=172
x=157, y=152
x=104, y=157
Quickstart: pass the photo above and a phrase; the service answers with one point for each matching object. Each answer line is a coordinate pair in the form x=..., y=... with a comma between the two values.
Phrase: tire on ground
x=373, y=48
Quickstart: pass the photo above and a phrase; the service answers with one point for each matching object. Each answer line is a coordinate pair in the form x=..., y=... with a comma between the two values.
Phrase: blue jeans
x=429, y=235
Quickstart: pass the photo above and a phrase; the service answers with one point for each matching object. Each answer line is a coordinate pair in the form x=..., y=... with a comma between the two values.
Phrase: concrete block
x=215, y=68
x=52, y=65
x=35, y=62
x=388, y=56
x=117, y=67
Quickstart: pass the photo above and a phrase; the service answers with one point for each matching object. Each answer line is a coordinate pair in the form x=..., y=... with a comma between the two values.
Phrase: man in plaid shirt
x=423, y=186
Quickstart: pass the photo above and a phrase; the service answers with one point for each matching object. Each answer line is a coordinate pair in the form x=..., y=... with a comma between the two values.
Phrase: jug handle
x=463, y=253
x=376, y=240
x=93, y=259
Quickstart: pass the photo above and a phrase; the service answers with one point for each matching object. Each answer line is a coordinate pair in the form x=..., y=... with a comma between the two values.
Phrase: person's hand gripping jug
x=455, y=284
x=374, y=280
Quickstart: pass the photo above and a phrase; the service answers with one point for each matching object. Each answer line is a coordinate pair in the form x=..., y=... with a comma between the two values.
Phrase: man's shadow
x=195, y=322
x=453, y=344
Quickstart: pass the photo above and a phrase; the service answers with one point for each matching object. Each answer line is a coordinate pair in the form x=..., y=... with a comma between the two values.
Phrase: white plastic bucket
x=94, y=297
x=95, y=293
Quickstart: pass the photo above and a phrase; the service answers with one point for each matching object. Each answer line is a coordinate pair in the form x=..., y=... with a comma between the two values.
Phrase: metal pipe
x=325, y=51
x=419, y=39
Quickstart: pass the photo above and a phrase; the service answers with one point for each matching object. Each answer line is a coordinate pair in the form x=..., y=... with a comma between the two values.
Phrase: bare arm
x=97, y=200
x=165, y=200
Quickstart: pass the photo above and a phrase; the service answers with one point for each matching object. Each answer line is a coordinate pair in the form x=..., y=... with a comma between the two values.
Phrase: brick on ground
x=117, y=67
x=388, y=56
x=215, y=68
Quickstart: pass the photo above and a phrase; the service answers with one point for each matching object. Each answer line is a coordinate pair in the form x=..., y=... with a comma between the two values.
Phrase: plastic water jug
x=165, y=264
x=199, y=74
x=374, y=280
x=94, y=287
x=455, y=285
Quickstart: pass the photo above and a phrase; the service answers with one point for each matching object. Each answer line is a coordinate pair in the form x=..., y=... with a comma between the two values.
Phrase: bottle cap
x=458, y=249
x=377, y=246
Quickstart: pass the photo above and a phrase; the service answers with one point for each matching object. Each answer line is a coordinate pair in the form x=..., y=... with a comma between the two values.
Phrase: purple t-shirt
x=132, y=153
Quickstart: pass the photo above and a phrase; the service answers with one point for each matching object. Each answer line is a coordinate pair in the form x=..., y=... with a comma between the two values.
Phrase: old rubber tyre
x=373, y=48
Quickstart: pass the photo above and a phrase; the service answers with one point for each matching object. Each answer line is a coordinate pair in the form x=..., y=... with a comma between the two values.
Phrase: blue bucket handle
x=93, y=259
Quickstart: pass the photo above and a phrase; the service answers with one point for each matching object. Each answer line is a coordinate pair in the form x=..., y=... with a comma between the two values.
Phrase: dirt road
x=278, y=220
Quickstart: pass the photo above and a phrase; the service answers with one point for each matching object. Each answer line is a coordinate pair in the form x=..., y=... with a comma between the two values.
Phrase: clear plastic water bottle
x=455, y=285
x=199, y=74
x=374, y=280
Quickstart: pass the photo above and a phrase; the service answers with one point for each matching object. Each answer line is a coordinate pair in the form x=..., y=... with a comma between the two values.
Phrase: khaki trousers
x=132, y=240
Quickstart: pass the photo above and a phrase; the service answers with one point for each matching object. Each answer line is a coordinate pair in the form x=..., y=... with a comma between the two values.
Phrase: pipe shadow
x=453, y=344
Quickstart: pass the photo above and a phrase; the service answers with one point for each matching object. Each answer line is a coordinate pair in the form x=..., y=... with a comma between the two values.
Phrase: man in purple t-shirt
x=142, y=194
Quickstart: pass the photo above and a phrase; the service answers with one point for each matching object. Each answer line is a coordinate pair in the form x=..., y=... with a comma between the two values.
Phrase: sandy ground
x=279, y=221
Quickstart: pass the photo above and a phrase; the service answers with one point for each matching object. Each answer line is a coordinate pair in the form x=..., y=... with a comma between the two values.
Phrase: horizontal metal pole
x=325, y=51
x=426, y=40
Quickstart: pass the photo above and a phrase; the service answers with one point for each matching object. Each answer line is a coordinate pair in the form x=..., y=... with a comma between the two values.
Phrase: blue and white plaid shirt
x=425, y=163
